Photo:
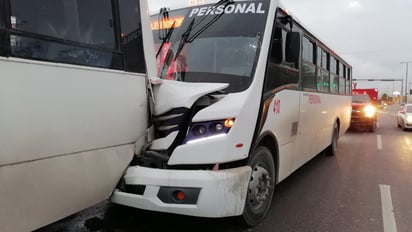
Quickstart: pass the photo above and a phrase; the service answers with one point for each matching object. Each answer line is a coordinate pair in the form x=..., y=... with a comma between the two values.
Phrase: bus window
x=334, y=78
x=308, y=65
x=96, y=27
x=131, y=33
x=348, y=82
x=323, y=71
x=65, y=32
x=45, y=17
x=319, y=56
x=3, y=35
x=3, y=15
x=342, y=85
x=341, y=79
x=71, y=20
x=280, y=72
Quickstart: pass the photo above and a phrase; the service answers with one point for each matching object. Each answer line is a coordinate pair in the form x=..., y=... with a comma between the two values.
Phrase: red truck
x=364, y=113
x=373, y=93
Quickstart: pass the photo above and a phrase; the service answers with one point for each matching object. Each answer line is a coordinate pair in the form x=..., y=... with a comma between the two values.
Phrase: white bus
x=246, y=96
x=73, y=102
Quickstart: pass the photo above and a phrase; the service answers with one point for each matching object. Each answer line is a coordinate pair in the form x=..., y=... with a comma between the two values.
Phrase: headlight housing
x=409, y=119
x=370, y=111
x=205, y=130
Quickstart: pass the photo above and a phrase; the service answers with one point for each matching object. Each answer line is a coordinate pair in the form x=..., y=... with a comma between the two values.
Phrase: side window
x=96, y=23
x=323, y=71
x=348, y=81
x=334, y=78
x=308, y=65
x=131, y=36
x=319, y=56
x=2, y=15
x=280, y=72
x=86, y=21
x=65, y=31
x=3, y=35
x=342, y=81
x=45, y=17
x=325, y=60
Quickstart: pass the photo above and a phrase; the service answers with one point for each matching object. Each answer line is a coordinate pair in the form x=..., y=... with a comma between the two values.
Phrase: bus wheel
x=333, y=147
x=261, y=187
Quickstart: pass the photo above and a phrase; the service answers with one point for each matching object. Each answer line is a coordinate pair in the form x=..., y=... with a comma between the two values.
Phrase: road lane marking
x=389, y=223
x=379, y=141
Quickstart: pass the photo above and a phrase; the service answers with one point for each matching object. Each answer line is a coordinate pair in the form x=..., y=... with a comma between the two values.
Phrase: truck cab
x=364, y=113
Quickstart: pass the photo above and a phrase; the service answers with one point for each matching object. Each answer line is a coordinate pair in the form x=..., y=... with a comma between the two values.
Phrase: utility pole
x=406, y=80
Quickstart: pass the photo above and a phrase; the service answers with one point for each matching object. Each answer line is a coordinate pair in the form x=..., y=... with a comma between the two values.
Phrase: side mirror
x=292, y=50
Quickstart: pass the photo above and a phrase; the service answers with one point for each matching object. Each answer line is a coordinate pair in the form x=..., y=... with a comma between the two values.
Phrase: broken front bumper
x=189, y=192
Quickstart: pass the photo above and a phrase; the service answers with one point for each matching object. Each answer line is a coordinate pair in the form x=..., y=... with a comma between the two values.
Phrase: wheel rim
x=259, y=188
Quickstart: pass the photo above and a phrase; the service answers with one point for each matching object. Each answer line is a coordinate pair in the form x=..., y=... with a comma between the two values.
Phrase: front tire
x=261, y=187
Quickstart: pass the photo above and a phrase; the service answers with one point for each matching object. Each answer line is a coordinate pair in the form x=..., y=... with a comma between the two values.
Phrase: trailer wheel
x=261, y=187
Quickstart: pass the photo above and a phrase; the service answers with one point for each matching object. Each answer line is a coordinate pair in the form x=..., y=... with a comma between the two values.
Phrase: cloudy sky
x=374, y=36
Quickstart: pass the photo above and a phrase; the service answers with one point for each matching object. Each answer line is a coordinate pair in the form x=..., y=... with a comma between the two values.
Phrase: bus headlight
x=369, y=111
x=209, y=129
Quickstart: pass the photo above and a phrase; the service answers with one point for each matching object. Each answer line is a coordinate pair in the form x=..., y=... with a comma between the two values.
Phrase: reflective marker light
x=180, y=195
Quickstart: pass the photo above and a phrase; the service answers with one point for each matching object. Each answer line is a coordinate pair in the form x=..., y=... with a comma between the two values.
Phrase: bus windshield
x=210, y=43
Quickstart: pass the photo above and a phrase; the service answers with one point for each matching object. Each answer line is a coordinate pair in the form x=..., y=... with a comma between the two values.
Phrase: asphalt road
x=367, y=186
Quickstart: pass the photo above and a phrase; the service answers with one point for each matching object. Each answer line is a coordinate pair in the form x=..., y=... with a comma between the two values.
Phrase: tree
x=384, y=97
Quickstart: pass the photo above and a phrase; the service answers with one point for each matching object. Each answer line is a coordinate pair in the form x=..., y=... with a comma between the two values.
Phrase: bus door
x=282, y=81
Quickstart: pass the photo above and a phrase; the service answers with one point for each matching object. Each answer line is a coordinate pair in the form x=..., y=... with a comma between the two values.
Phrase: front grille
x=170, y=121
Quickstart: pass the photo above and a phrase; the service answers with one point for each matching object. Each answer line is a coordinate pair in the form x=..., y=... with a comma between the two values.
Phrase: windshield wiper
x=166, y=39
x=164, y=14
x=186, y=38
